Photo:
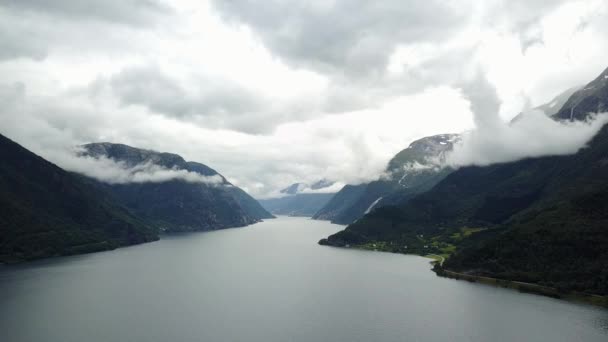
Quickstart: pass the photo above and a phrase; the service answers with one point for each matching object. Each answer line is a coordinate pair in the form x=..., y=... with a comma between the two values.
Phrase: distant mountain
x=301, y=199
x=46, y=211
x=293, y=189
x=539, y=220
x=178, y=205
x=592, y=98
x=412, y=171
x=297, y=188
x=304, y=205
x=322, y=184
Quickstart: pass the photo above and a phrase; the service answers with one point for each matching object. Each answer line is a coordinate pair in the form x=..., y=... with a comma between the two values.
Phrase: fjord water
x=270, y=282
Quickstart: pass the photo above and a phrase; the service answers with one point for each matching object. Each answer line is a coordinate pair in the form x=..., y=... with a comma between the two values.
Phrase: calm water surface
x=270, y=282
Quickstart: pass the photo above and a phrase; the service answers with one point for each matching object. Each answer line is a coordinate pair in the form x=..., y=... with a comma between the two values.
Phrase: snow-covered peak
x=322, y=186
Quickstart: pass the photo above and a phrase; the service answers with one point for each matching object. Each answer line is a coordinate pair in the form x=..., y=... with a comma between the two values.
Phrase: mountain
x=293, y=188
x=593, y=98
x=341, y=202
x=46, y=211
x=355, y=202
x=412, y=171
x=298, y=201
x=542, y=220
x=305, y=205
x=322, y=184
x=538, y=220
x=178, y=204
x=250, y=205
x=552, y=107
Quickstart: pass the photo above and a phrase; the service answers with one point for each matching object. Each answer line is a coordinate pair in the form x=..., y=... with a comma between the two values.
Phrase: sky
x=274, y=92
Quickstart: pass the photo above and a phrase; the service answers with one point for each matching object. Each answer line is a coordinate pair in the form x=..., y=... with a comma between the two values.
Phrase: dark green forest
x=46, y=211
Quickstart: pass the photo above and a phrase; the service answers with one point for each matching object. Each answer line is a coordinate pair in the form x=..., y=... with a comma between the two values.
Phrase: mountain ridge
x=300, y=199
x=412, y=170
x=538, y=220
x=592, y=98
x=174, y=204
x=47, y=211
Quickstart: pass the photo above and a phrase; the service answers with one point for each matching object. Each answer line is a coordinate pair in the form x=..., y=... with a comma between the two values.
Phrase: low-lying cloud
x=534, y=134
x=115, y=172
x=432, y=164
x=326, y=190
x=331, y=90
x=304, y=189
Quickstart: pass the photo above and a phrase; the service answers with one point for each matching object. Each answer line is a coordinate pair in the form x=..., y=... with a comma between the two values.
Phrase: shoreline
x=523, y=287
x=437, y=261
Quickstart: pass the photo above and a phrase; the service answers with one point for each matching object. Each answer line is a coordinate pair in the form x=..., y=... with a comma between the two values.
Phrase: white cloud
x=326, y=190
x=534, y=135
x=269, y=99
x=350, y=147
x=495, y=140
x=113, y=172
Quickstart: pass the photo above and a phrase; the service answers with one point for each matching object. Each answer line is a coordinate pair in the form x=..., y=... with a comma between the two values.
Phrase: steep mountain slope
x=46, y=211
x=250, y=205
x=557, y=103
x=552, y=107
x=360, y=202
x=593, y=98
x=407, y=169
x=177, y=204
x=411, y=171
x=297, y=201
x=559, y=241
x=341, y=202
x=540, y=220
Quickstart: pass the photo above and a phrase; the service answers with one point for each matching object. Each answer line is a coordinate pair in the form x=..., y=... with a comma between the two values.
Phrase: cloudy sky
x=273, y=92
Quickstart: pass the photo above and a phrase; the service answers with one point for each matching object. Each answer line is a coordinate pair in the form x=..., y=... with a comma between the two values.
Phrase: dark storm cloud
x=253, y=82
x=149, y=87
x=214, y=102
x=351, y=37
x=18, y=38
x=352, y=42
x=354, y=39
x=33, y=28
x=14, y=45
x=522, y=17
x=129, y=12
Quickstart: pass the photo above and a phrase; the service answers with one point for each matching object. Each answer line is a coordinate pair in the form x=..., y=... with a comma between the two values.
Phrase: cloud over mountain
x=112, y=172
x=534, y=134
x=272, y=92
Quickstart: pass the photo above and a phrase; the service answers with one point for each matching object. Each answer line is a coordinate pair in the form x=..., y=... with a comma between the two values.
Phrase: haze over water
x=270, y=282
